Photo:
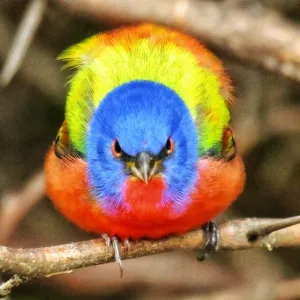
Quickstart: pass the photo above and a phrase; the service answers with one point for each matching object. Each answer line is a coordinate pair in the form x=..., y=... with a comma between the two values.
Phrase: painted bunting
x=146, y=149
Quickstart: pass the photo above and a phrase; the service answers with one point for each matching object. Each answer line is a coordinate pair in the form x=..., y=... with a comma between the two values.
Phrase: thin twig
x=13, y=282
x=14, y=206
x=26, y=31
x=43, y=60
x=235, y=235
x=249, y=32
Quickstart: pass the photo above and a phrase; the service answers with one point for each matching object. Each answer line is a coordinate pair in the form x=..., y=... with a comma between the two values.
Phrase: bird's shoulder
x=63, y=147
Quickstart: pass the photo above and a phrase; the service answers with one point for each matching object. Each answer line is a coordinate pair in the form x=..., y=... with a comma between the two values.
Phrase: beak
x=144, y=167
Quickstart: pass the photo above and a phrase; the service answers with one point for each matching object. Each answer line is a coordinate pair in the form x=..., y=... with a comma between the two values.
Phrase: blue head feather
x=141, y=115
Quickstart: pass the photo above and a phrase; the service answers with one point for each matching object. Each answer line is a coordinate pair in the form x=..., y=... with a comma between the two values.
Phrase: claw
x=107, y=239
x=212, y=243
x=114, y=242
x=117, y=254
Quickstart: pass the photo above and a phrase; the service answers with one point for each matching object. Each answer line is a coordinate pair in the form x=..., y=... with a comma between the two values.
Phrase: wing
x=62, y=146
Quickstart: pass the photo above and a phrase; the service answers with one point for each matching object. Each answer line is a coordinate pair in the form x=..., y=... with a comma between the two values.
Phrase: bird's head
x=144, y=103
x=141, y=130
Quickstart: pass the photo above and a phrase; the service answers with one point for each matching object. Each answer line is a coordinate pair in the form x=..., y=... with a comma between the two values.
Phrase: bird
x=146, y=149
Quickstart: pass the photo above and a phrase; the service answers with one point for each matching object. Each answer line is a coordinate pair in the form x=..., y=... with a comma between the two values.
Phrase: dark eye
x=169, y=146
x=116, y=149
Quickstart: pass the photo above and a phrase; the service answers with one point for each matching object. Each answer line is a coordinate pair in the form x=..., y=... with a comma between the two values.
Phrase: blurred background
x=266, y=123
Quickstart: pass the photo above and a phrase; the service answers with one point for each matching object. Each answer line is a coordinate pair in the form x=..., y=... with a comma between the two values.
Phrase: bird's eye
x=169, y=146
x=116, y=149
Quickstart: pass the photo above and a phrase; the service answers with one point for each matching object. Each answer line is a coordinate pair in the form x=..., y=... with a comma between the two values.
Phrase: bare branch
x=43, y=60
x=13, y=282
x=235, y=235
x=26, y=31
x=252, y=33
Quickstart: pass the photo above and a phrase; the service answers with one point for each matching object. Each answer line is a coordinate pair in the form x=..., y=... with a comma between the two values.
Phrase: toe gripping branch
x=212, y=237
x=115, y=244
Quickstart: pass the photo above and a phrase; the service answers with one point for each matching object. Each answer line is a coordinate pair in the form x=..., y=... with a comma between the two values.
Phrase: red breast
x=219, y=185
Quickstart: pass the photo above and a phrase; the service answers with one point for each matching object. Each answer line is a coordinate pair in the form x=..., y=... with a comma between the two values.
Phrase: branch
x=43, y=60
x=235, y=235
x=24, y=36
x=15, y=205
x=6, y=287
x=253, y=33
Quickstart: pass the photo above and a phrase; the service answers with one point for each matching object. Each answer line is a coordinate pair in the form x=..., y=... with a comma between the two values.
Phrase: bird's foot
x=212, y=243
x=115, y=244
x=107, y=239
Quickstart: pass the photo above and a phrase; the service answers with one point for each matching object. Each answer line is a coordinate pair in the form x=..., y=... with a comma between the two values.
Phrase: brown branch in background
x=235, y=235
x=250, y=32
x=51, y=82
x=23, y=38
x=14, y=206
